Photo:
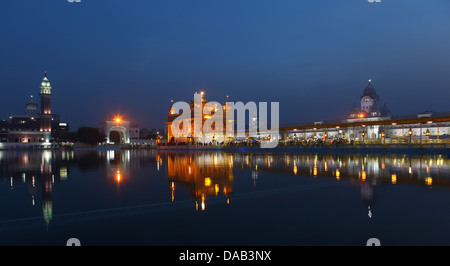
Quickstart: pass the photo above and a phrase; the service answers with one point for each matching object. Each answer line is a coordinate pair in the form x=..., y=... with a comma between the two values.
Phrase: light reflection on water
x=43, y=189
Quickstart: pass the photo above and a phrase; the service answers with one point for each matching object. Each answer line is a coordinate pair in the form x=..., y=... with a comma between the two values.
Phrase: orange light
x=429, y=181
x=118, y=176
x=361, y=115
x=117, y=119
x=394, y=178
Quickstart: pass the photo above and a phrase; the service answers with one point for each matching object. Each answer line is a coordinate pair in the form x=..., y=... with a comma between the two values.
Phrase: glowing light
x=207, y=181
x=118, y=119
x=63, y=173
x=364, y=176
x=338, y=174
x=203, y=202
x=118, y=176
x=429, y=181
x=216, y=189
x=394, y=179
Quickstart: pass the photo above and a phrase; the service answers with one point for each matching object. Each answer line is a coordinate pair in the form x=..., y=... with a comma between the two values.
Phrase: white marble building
x=423, y=126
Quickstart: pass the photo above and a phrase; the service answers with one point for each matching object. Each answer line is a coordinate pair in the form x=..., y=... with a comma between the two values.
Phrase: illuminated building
x=371, y=121
x=36, y=126
x=199, y=135
x=119, y=130
x=369, y=106
x=119, y=125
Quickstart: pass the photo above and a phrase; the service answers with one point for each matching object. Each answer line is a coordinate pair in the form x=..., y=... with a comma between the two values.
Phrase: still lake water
x=162, y=198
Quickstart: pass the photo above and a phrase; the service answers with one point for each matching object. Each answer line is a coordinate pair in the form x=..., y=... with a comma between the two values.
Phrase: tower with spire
x=46, y=108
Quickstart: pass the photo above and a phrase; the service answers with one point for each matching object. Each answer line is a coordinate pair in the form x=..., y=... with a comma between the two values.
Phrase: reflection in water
x=206, y=173
x=213, y=174
x=39, y=171
x=203, y=174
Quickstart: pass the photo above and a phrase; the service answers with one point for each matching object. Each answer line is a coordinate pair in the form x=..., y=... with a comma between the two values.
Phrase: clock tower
x=46, y=110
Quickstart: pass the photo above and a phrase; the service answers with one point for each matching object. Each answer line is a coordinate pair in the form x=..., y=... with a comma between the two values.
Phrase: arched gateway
x=117, y=125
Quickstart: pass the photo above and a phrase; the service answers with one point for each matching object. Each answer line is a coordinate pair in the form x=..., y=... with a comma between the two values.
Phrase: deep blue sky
x=313, y=56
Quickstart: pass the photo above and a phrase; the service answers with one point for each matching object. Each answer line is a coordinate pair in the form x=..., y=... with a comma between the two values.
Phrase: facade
x=370, y=110
x=200, y=135
x=36, y=126
x=120, y=131
x=118, y=125
x=371, y=121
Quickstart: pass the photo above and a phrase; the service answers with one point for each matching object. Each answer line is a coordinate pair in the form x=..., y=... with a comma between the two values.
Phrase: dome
x=385, y=111
x=354, y=111
x=31, y=102
x=31, y=107
x=374, y=111
x=370, y=91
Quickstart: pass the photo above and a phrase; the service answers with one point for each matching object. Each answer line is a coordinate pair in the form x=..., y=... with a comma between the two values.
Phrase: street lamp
x=428, y=134
x=363, y=135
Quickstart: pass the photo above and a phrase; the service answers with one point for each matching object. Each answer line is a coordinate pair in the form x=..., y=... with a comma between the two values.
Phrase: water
x=159, y=198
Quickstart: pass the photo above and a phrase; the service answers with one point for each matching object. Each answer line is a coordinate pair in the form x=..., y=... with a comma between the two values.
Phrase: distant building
x=370, y=106
x=36, y=125
x=370, y=110
x=194, y=135
x=120, y=131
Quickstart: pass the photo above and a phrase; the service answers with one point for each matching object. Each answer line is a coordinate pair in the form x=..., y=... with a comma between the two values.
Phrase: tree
x=90, y=135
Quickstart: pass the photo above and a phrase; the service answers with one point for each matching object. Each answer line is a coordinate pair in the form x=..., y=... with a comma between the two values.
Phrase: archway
x=118, y=135
x=115, y=137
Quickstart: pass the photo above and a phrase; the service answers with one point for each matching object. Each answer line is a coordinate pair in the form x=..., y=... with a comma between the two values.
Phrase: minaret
x=46, y=110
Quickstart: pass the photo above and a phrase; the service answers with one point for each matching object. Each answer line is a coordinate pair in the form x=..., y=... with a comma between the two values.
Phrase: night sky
x=134, y=56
